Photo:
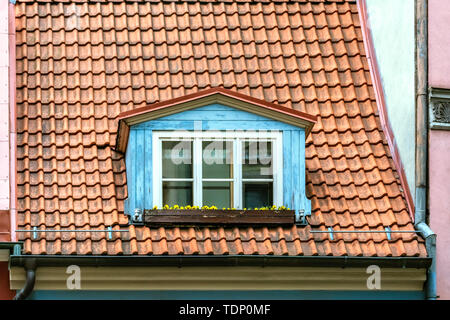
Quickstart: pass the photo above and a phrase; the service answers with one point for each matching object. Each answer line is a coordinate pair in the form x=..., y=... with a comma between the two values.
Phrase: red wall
x=5, y=293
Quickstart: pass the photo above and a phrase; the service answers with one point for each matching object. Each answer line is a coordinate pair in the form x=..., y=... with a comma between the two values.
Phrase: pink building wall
x=439, y=142
x=439, y=43
x=439, y=177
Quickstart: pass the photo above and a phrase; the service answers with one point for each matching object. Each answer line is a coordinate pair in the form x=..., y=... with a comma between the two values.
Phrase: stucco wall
x=439, y=142
x=4, y=106
x=439, y=43
x=392, y=28
x=439, y=177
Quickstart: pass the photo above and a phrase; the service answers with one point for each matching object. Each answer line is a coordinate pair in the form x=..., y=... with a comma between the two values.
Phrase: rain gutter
x=420, y=221
x=231, y=260
x=32, y=262
x=30, y=269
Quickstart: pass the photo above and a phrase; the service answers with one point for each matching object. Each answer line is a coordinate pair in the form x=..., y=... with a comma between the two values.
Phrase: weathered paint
x=395, y=54
x=439, y=204
x=213, y=117
x=224, y=295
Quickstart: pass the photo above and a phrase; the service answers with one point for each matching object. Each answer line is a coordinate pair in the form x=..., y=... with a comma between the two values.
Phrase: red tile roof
x=75, y=76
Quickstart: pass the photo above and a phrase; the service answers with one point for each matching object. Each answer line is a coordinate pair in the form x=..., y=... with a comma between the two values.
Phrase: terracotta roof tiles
x=75, y=76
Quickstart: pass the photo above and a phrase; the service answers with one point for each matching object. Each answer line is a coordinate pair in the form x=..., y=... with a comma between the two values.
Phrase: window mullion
x=237, y=173
x=157, y=171
x=197, y=159
x=277, y=170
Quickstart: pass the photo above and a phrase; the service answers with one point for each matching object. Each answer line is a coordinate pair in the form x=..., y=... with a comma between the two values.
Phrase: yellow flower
x=155, y=208
x=166, y=206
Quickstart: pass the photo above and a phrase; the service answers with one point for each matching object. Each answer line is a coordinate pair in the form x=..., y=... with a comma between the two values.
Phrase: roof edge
x=231, y=260
x=381, y=104
x=208, y=96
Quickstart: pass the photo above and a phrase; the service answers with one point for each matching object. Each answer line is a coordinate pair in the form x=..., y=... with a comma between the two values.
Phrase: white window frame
x=238, y=136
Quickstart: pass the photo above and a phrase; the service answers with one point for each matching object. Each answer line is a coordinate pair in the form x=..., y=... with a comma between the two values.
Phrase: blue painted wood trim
x=234, y=295
x=147, y=169
x=213, y=117
x=294, y=174
x=130, y=160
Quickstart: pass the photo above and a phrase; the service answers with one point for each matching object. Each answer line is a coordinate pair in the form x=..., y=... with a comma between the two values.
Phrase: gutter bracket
x=300, y=217
x=109, y=228
x=35, y=233
x=388, y=233
x=330, y=230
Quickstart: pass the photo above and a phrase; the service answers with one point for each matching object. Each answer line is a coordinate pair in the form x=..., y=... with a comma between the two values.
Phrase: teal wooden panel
x=206, y=115
x=295, y=169
x=294, y=183
x=213, y=117
x=148, y=161
x=287, y=169
x=231, y=294
x=305, y=203
x=140, y=164
x=215, y=125
x=130, y=159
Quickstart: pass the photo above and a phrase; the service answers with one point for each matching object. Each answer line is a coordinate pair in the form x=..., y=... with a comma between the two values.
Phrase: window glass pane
x=257, y=194
x=177, y=192
x=217, y=194
x=257, y=160
x=177, y=159
x=217, y=159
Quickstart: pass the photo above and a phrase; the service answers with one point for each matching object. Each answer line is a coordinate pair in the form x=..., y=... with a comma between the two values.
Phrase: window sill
x=197, y=217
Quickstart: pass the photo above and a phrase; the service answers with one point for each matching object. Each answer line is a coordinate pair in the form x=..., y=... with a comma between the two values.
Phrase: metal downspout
x=30, y=268
x=422, y=143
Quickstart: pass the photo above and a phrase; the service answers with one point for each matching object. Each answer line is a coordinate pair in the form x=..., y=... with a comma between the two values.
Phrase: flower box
x=207, y=217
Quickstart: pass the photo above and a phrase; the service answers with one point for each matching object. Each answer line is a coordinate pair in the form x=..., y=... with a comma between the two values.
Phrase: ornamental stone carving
x=439, y=112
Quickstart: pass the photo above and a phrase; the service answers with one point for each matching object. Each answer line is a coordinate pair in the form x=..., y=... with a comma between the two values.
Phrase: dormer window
x=225, y=169
x=215, y=148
